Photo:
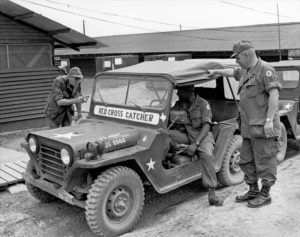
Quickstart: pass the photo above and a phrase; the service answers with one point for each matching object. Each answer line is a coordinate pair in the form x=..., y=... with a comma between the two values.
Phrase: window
x=289, y=79
x=141, y=92
x=3, y=57
x=25, y=56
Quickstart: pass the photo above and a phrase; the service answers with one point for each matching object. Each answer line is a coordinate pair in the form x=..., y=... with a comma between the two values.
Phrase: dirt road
x=183, y=212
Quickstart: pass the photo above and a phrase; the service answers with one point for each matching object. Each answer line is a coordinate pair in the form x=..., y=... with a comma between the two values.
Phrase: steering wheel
x=156, y=102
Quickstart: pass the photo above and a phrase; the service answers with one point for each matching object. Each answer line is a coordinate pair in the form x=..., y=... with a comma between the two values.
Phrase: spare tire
x=282, y=143
x=230, y=172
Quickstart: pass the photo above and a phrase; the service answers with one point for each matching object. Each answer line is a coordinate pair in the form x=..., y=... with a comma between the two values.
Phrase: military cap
x=240, y=47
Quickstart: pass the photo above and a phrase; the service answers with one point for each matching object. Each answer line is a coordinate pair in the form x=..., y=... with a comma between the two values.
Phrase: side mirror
x=178, y=116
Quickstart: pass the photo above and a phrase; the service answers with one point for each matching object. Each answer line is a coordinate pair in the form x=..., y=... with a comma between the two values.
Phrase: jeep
x=289, y=107
x=103, y=162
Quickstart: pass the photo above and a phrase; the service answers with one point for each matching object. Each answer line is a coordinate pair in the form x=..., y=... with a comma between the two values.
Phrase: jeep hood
x=79, y=135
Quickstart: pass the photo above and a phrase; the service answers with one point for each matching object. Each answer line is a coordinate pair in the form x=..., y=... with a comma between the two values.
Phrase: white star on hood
x=66, y=135
x=150, y=164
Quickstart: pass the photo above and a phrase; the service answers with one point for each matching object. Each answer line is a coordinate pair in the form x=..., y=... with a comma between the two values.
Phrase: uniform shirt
x=254, y=87
x=61, y=89
x=197, y=114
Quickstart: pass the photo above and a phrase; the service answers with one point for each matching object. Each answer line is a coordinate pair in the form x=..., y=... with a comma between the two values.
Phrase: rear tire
x=230, y=172
x=115, y=201
x=282, y=143
x=36, y=192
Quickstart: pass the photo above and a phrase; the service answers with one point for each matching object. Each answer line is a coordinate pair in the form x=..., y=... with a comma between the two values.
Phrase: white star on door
x=150, y=164
x=66, y=135
x=288, y=106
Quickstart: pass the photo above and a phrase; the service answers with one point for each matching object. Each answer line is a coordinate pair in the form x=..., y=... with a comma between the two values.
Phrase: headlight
x=65, y=156
x=32, y=144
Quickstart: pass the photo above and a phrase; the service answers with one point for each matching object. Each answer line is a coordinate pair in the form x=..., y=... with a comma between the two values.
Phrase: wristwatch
x=268, y=120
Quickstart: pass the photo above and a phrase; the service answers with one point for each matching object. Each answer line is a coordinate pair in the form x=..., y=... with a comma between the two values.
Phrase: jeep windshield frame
x=141, y=92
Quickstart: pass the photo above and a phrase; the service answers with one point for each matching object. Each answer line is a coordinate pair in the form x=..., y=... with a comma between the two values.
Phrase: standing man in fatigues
x=260, y=123
x=196, y=133
x=65, y=91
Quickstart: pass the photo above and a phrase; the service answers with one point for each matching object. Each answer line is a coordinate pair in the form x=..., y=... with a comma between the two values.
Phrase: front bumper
x=50, y=188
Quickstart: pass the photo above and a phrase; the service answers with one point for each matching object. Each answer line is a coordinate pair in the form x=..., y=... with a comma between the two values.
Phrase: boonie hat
x=75, y=72
x=241, y=46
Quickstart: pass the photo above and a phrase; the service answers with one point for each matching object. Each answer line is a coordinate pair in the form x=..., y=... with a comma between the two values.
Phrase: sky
x=120, y=17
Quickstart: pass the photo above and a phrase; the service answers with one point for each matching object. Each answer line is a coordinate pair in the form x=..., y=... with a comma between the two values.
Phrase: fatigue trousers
x=65, y=122
x=204, y=153
x=259, y=160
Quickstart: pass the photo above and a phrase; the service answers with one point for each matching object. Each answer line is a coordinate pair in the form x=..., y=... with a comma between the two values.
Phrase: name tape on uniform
x=126, y=114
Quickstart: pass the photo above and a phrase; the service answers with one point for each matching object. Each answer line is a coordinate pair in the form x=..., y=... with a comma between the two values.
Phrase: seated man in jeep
x=195, y=132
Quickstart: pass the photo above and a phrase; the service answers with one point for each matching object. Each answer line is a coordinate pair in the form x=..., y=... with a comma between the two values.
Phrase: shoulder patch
x=268, y=73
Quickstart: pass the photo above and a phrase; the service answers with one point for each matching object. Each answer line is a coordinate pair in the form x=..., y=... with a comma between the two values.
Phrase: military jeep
x=103, y=163
x=289, y=75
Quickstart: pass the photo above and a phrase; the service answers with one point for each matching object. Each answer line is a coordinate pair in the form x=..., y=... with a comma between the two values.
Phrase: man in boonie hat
x=260, y=122
x=195, y=132
x=65, y=92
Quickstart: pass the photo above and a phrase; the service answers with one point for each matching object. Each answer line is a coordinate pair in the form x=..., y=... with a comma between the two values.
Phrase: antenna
x=278, y=27
x=83, y=25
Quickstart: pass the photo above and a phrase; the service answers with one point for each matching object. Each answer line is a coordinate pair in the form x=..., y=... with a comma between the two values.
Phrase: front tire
x=282, y=143
x=36, y=192
x=115, y=201
x=230, y=172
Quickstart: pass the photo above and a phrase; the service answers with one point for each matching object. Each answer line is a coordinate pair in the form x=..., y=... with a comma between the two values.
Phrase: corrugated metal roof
x=60, y=33
x=264, y=37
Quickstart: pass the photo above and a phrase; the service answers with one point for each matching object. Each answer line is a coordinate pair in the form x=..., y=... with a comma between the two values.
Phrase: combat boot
x=251, y=194
x=263, y=198
x=213, y=199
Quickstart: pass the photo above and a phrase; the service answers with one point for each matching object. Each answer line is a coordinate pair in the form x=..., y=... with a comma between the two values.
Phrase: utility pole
x=83, y=25
x=278, y=27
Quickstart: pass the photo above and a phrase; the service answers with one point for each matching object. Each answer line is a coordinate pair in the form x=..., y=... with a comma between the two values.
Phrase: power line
x=252, y=9
x=150, y=21
x=181, y=34
x=131, y=26
x=122, y=16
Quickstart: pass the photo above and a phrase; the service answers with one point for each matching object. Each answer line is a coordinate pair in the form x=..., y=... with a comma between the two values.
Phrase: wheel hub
x=118, y=203
x=234, y=162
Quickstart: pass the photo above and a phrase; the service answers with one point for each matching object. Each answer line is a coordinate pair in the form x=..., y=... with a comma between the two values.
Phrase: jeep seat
x=222, y=109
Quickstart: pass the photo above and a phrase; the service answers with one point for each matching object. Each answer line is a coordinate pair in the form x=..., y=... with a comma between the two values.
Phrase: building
x=27, y=63
x=203, y=43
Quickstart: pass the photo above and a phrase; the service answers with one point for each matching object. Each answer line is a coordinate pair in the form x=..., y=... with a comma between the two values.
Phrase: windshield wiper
x=138, y=106
x=98, y=91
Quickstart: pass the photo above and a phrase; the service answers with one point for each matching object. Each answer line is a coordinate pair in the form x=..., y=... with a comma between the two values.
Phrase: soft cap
x=240, y=47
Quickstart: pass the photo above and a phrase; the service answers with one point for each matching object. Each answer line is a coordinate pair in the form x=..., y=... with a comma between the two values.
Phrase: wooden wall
x=13, y=32
x=24, y=92
x=25, y=82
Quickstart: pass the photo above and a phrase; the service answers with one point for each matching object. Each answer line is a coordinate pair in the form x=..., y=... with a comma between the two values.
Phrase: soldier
x=260, y=123
x=65, y=92
x=196, y=133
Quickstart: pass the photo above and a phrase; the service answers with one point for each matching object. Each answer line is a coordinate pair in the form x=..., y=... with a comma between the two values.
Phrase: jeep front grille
x=51, y=164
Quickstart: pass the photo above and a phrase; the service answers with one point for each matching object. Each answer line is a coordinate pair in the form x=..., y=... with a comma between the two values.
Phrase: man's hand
x=268, y=128
x=213, y=74
x=190, y=150
x=80, y=100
